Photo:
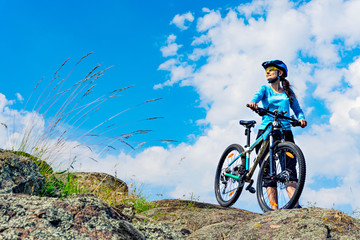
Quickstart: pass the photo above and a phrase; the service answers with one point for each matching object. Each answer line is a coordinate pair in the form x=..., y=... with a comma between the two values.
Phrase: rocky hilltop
x=24, y=215
x=192, y=220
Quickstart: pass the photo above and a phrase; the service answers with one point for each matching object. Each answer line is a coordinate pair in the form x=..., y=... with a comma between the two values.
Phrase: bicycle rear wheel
x=283, y=189
x=227, y=189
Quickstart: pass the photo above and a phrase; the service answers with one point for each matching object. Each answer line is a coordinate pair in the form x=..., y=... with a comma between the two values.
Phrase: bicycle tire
x=227, y=189
x=286, y=154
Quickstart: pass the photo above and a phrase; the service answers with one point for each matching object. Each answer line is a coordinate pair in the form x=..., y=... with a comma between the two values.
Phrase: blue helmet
x=278, y=64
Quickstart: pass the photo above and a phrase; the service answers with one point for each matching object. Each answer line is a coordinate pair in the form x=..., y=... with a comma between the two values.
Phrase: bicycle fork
x=272, y=146
x=271, y=160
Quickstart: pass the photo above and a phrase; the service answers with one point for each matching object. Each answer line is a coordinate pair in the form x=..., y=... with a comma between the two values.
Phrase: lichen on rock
x=83, y=217
x=208, y=221
x=19, y=174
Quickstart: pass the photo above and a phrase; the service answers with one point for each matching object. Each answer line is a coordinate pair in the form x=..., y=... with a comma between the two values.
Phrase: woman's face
x=272, y=73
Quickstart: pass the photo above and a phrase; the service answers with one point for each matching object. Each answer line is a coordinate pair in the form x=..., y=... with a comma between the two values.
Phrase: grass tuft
x=55, y=127
x=55, y=133
x=71, y=186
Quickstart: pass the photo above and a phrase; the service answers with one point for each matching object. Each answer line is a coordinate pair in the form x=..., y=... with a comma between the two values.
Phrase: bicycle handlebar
x=276, y=113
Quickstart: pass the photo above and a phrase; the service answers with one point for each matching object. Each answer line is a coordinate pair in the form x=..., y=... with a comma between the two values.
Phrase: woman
x=278, y=96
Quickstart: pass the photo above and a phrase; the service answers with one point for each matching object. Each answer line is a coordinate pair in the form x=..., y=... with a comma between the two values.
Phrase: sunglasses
x=270, y=69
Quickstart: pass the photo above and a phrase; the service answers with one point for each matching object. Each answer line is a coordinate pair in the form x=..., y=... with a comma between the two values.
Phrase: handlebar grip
x=295, y=124
x=262, y=112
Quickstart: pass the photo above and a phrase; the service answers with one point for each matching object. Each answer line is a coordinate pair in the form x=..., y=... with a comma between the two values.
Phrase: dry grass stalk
x=60, y=112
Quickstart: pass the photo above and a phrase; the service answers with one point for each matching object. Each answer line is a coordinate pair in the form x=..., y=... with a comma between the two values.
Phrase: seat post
x=248, y=125
x=248, y=134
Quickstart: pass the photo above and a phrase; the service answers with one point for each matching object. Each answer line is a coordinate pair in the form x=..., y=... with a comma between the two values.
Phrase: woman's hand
x=253, y=106
x=303, y=123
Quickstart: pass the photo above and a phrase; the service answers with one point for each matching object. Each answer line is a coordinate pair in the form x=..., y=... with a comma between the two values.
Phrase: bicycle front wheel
x=282, y=189
x=227, y=189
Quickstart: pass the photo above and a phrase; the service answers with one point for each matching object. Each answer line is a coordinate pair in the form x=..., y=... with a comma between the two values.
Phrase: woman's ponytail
x=287, y=88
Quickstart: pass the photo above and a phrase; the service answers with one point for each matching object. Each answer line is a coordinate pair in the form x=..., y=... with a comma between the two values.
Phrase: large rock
x=84, y=217
x=178, y=219
x=306, y=223
x=19, y=174
x=182, y=219
x=96, y=181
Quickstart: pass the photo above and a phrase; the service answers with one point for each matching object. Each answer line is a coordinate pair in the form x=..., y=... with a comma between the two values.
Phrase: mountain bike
x=281, y=176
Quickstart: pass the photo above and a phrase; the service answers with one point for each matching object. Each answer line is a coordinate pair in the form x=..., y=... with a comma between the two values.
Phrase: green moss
x=45, y=169
x=53, y=186
x=63, y=188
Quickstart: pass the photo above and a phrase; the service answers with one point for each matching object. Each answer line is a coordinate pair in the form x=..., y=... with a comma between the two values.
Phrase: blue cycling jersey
x=279, y=101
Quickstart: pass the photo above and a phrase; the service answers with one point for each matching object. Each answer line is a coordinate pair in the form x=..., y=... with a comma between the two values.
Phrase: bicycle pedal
x=251, y=189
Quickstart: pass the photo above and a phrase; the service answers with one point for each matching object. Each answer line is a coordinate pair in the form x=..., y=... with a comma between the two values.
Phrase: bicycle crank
x=250, y=188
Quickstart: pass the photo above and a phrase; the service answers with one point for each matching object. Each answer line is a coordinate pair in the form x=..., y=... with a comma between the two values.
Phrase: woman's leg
x=273, y=198
x=291, y=187
x=271, y=188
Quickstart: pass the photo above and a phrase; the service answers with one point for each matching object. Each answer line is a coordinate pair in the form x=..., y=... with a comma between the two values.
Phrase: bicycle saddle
x=247, y=123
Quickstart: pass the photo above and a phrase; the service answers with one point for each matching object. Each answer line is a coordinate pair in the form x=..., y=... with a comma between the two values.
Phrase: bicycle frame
x=271, y=127
x=247, y=153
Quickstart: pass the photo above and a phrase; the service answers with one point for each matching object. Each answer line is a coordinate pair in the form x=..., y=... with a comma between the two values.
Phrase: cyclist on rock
x=280, y=96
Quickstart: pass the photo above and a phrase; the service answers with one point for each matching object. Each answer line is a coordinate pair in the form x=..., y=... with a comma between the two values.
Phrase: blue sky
x=39, y=37
x=124, y=34
x=204, y=60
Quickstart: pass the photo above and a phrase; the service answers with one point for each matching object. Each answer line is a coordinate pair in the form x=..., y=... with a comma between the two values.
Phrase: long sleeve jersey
x=279, y=101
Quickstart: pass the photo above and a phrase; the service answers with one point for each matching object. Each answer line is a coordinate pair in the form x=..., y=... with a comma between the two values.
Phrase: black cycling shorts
x=290, y=163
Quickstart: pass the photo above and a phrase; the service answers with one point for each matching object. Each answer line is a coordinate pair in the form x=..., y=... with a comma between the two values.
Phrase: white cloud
x=203, y=39
x=180, y=20
x=179, y=71
x=28, y=131
x=340, y=89
x=206, y=10
x=24, y=131
x=171, y=48
x=235, y=45
x=208, y=21
x=4, y=103
x=256, y=7
x=335, y=19
x=19, y=97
